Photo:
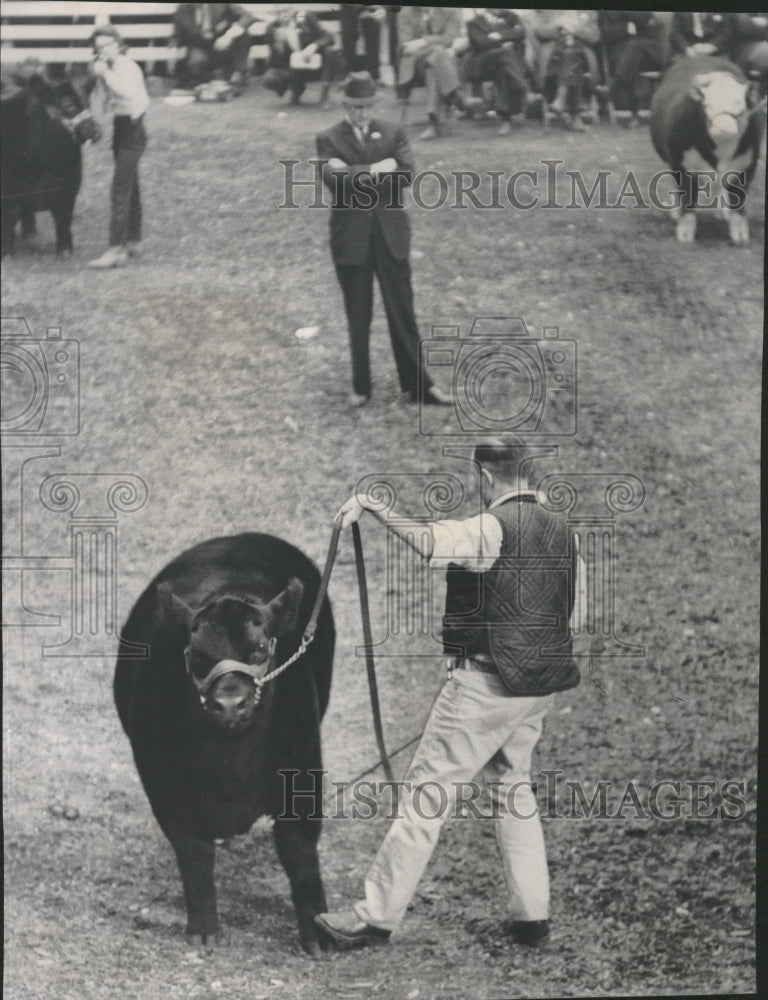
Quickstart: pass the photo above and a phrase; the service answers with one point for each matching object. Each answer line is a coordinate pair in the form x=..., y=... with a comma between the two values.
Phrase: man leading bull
x=513, y=574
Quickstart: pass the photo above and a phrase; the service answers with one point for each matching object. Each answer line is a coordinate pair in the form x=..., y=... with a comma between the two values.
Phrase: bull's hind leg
x=62, y=218
x=195, y=858
x=296, y=842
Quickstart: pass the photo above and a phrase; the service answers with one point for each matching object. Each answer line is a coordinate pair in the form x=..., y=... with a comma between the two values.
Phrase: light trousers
x=475, y=725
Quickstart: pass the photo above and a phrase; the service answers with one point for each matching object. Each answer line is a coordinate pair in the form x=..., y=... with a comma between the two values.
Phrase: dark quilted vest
x=517, y=611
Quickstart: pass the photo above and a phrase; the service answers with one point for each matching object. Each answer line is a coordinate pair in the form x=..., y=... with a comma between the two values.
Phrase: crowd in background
x=492, y=62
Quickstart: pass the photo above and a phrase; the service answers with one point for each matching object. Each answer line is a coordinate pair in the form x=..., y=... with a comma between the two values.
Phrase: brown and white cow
x=701, y=126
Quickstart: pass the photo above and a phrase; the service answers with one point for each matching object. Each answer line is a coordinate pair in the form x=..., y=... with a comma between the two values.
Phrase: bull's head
x=231, y=648
x=74, y=112
x=724, y=101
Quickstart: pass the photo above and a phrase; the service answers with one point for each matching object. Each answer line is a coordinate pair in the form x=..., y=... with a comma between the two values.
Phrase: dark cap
x=359, y=89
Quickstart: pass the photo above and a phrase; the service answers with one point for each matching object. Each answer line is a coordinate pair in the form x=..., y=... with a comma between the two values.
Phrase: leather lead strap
x=369, y=664
x=309, y=631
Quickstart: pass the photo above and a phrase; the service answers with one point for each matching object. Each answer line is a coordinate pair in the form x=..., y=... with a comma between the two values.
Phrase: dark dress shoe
x=433, y=397
x=349, y=931
x=533, y=933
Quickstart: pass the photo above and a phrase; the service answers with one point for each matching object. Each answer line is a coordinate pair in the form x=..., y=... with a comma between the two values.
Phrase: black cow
x=701, y=122
x=209, y=750
x=43, y=126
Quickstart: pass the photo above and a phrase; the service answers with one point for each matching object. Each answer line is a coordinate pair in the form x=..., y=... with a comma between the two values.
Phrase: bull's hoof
x=738, y=230
x=686, y=228
x=314, y=944
x=205, y=942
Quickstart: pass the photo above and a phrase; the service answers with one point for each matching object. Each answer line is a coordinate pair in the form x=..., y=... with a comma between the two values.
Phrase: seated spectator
x=427, y=38
x=497, y=55
x=361, y=19
x=632, y=43
x=217, y=41
x=695, y=34
x=300, y=50
x=569, y=68
x=750, y=46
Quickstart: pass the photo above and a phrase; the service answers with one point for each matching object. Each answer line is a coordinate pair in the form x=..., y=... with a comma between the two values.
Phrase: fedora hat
x=359, y=89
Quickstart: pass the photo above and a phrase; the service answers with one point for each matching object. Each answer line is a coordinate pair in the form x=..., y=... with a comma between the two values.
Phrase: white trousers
x=475, y=725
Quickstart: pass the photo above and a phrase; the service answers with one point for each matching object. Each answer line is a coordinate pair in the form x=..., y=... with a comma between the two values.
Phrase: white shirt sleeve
x=474, y=544
x=127, y=90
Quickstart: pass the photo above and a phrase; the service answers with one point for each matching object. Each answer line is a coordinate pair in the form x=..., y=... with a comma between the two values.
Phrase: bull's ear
x=284, y=609
x=174, y=609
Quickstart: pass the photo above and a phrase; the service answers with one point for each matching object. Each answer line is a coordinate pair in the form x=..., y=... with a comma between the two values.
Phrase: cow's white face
x=724, y=99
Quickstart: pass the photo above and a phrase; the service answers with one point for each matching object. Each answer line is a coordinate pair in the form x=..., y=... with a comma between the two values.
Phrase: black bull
x=209, y=753
x=43, y=127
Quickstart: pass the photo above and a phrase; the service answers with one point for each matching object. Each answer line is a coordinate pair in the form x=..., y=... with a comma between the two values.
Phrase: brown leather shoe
x=349, y=931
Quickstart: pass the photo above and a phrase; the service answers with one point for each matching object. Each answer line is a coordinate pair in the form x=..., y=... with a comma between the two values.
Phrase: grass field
x=192, y=378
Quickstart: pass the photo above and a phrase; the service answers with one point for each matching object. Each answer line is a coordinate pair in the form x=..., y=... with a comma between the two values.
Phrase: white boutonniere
x=375, y=136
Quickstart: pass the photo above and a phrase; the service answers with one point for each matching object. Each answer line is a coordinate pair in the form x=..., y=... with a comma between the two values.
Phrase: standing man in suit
x=367, y=163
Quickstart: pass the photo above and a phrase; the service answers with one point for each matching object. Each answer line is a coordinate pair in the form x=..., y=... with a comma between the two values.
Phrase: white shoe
x=112, y=257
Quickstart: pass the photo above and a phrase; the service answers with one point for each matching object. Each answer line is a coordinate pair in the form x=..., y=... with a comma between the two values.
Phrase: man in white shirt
x=511, y=589
x=121, y=82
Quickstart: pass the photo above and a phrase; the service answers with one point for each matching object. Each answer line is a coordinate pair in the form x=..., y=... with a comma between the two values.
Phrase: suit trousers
x=475, y=725
x=129, y=141
x=394, y=277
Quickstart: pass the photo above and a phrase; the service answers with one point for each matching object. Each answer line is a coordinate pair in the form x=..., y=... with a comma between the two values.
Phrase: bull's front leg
x=195, y=858
x=685, y=231
x=296, y=842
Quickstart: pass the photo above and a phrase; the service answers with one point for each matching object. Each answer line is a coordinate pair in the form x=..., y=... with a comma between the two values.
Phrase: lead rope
x=309, y=635
x=369, y=664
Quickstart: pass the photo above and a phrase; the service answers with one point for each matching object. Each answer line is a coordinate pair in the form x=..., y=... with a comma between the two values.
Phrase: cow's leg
x=8, y=227
x=195, y=857
x=685, y=231
x=28, y=223
x=734, y=204
x=738, y=227
x=62, y=218
x=296, y=843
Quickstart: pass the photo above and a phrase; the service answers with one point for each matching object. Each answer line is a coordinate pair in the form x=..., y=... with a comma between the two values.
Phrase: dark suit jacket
x=360, y=207
x=717, y=28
